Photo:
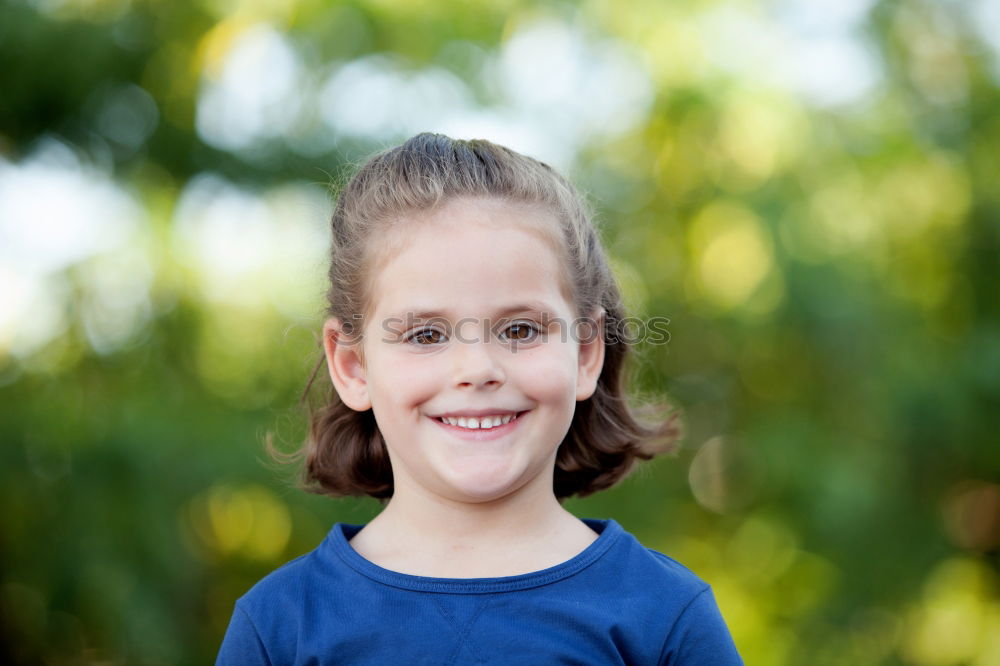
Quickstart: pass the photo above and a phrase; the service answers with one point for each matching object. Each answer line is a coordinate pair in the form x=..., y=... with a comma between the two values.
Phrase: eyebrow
x=529, y=307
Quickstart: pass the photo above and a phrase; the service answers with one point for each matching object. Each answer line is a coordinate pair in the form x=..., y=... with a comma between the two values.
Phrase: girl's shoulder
x=650, y=572
x=290, y=582
x=673, y=568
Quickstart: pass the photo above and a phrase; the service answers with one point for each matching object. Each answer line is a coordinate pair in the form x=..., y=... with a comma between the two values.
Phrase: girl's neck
x=453, y=522
x=430, y=536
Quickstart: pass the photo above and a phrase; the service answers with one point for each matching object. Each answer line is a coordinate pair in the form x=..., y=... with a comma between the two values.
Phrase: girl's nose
x=476, y=365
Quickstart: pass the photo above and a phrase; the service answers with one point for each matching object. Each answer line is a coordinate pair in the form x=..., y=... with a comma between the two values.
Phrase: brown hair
x=345, y=453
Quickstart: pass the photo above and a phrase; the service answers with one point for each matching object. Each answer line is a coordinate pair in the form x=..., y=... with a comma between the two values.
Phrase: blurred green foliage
x=815, y=208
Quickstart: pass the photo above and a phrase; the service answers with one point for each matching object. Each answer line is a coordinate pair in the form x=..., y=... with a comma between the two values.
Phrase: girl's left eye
x=426, y=336
x=522, y=331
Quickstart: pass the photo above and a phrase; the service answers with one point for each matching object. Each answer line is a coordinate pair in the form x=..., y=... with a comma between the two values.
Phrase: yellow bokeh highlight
x=989, y=643
x=248, y=521
x=841, y=216
x=868, y=214
x=278, y=11
x=674, y=50
x=732, y=254
x=761, y=550
x=760, y=135
x=211, y=51
x=765, y=585
x=667, y=36
x=921, y=193
x=958, y=618
x=227, y=338
x=759, y=637
x=418, y=8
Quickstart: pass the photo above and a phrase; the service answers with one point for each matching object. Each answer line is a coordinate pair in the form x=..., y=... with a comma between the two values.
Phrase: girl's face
x=470, y=319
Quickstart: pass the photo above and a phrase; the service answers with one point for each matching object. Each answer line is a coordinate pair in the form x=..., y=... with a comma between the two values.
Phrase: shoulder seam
x=677, y=621
x=663, y=557
x=280, y=571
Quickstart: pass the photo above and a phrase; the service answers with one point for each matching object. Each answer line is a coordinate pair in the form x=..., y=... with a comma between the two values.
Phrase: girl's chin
x=480, y=489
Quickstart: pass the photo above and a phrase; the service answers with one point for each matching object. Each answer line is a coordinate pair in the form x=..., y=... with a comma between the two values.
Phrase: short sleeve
x=242, y=645
x=700, y=636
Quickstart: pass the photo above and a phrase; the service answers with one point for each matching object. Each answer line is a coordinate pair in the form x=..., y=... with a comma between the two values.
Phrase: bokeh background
x=808, y=189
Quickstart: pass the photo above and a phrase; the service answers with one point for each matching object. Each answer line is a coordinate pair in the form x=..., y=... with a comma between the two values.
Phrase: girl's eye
x=521, y=331
x=426, y=336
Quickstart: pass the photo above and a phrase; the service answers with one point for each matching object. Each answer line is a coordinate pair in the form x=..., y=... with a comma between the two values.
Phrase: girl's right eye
x=426, y=336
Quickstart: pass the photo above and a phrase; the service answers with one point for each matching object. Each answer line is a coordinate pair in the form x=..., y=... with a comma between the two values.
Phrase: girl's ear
x=345, y=361
x=591, y=359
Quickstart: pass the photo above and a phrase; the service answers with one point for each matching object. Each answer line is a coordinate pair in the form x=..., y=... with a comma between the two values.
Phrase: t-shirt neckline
x=608, y=532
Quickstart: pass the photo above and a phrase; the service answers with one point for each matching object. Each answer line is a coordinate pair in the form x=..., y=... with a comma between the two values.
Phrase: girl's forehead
x=397, y=234
x=538, y=227
x=491, y=213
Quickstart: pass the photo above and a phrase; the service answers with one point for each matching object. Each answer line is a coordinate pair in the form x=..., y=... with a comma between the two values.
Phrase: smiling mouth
x=474, y=424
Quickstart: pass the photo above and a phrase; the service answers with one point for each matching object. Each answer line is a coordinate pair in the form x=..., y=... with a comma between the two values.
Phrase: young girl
x=478, y=381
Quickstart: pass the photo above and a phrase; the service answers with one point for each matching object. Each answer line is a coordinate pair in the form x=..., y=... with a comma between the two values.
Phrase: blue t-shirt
x=616, y=602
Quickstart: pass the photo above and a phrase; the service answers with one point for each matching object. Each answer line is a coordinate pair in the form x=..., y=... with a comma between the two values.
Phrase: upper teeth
x=480, y=422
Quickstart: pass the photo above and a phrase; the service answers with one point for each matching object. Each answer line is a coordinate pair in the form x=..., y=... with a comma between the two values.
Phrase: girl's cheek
x=547, y=375
x=405, y=379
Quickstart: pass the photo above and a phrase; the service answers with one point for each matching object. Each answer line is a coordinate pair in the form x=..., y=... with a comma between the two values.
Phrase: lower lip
x=481, y=435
